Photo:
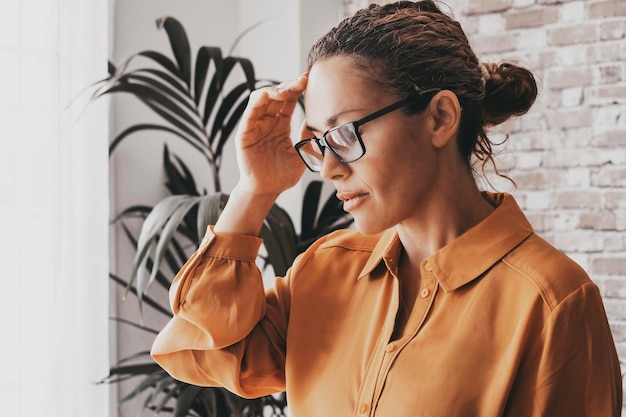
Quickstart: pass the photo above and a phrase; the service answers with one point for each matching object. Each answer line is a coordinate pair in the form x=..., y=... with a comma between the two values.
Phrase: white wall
x=53, y=209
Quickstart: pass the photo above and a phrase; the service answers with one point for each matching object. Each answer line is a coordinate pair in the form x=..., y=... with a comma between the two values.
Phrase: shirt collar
x=472, y=253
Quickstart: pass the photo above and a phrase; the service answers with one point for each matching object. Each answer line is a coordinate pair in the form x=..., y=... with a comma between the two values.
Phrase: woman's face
x=396, y=177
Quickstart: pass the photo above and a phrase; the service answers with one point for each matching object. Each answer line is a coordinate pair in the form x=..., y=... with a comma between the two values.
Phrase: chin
x=367, y=227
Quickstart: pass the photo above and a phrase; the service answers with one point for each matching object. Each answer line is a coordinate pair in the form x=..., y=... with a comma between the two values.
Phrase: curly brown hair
x=408, y=46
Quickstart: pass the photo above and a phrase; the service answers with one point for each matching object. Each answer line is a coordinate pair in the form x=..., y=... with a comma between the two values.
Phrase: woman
x=443, y=302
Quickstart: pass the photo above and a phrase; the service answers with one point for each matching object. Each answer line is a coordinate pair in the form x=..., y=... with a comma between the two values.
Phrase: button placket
x=393, y=349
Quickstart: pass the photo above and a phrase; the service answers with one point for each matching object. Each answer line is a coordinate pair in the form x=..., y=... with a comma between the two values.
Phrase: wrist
x=245, y=212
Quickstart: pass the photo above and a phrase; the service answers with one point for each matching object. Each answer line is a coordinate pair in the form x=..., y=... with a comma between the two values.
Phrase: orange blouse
x=503, y=325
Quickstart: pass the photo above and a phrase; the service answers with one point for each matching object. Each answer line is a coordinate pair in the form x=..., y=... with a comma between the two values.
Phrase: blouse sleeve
x=226, y=331
x=572, y=369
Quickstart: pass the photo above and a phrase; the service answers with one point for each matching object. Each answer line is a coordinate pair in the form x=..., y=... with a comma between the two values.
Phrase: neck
x=445, y=217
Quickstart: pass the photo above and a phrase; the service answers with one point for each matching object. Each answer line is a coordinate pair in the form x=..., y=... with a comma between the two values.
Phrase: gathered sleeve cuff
x=217, y=297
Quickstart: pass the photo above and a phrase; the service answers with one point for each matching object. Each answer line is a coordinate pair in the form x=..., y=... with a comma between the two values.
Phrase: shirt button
x=390, y=348
x=425, y=292
x=364, y=408
x=428, y=267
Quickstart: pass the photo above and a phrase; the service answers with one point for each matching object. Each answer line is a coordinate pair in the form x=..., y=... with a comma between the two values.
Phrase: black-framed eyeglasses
x=345, y=142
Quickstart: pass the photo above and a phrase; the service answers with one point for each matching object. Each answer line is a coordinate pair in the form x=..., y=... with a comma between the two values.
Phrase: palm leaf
x=163, y=60
x=179, y=44
x=209, y=209
x=310, y=205
x=204, y=57
x=145, y=299
x=166, y=234
x=148, y=126
x=225, y=108
x=179, y=180
x=153, y=224
x=163, y=88
x=232, y=123
x=154, y=96
x=187, y=396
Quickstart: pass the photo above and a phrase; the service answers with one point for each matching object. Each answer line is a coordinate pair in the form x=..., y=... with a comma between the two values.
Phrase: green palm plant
x=194, y=105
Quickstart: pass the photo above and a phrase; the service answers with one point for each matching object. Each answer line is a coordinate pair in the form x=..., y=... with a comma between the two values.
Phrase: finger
x=291, y=92
x=296, y=85
x=255, y=110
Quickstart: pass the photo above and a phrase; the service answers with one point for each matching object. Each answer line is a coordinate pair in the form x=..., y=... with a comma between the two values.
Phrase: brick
x=610, y=74
x=608, y=117
x=504, y=161
x=572, y=12
x=531, y=18
x=529, y=160
x=621, y=348
x=487, y=6
x=613, y=242
x=533, y=120
x=609, y=176
x=537, y=200
x=577, y=177
x=606, y=52
x=549, y=99
x=618, y=330
x=572, y=55
x=536, y=179
x=540, y=221
x=613, y=30
x=610, y=8
x=533, y=59
x=580, y=258
x=534, y=39
x=578, y=200
x=485, y=44
x=565, y=158
x=569, y=119
x=573, y=34
x=599, y=96
x=579, y=241
x=569, y=77
x=536, y=141
x=600, y=220
x=616, y=309
x=490, y=24
x=565, y=221
x=610, y=138
x=553, y=1
x=615, y=288
x=572, y=97
x=609, y=266
x=576, y=140
x=522, y=4
x=615, y=200
x=620, y=220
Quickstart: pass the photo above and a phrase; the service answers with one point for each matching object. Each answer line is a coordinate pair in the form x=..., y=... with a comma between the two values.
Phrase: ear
x=445, y=111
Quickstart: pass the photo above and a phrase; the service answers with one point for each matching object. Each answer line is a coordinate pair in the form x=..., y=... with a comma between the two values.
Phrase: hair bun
x=509, y=91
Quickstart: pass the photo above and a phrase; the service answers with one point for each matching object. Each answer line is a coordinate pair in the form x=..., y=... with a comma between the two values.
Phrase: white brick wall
x=568, y=154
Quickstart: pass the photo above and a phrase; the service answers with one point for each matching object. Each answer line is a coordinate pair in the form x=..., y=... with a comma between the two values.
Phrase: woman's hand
x=268, y=162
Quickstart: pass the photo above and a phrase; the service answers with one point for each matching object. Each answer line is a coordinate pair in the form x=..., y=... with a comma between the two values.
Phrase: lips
x=351, y=199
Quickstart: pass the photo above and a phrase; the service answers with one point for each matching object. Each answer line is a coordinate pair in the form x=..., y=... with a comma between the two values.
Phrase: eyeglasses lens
x=311, y=153
x=344, y=142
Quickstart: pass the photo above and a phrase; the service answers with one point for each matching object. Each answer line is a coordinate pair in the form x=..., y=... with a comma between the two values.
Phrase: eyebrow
x=331, y=121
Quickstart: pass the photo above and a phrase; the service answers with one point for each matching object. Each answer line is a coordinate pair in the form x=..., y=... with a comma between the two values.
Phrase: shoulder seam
x=542, y=291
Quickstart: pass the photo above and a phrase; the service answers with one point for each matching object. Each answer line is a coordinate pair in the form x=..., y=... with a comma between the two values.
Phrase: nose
x=332, y=168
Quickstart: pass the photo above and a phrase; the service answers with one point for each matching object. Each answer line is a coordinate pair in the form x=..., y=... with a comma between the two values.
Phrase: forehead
x=337, y=87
